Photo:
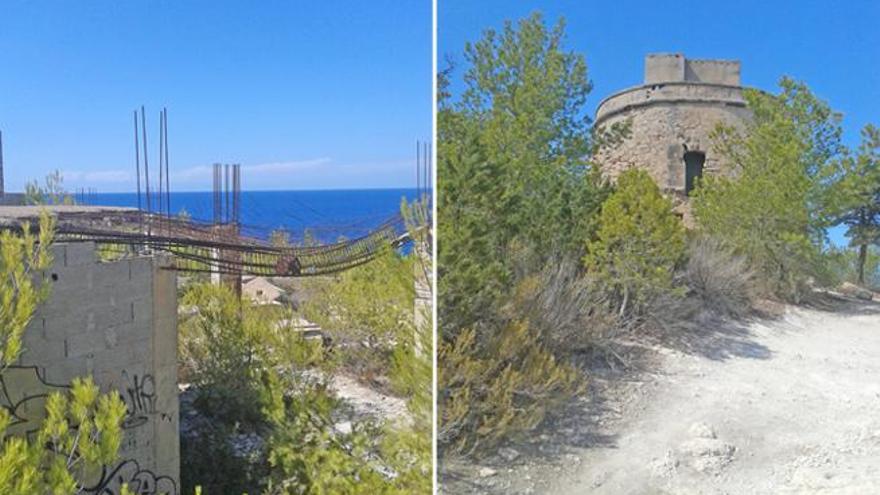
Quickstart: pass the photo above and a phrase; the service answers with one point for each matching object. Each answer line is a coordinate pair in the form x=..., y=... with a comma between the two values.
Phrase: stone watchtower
x=672, y=115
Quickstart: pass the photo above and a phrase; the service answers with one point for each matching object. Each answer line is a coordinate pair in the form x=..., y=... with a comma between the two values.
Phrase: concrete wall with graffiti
x=116, y=322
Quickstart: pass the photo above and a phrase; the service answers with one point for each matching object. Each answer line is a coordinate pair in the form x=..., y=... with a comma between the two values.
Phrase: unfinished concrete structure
x=116, y=322
x=672, y=115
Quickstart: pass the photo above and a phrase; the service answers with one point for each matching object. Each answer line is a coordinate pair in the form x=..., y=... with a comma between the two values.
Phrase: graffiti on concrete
x=23, y=393
x=139, y=394
x=139, y=481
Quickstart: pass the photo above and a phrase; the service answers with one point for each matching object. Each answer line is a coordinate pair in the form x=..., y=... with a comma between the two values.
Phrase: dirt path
x=788, y=406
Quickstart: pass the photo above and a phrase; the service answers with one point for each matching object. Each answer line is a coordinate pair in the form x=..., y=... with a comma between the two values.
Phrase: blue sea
x=327, y=214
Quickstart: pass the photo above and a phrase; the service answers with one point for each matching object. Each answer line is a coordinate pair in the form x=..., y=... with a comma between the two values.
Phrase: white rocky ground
x=363, y=401
x=785, y=406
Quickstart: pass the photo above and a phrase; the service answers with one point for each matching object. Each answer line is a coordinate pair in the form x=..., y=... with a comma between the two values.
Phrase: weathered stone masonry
x=672, y=116
x=116, y=322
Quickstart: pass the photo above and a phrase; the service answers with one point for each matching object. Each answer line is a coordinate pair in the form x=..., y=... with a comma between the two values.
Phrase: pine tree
x=473, y=234
x=525, y=102
x=517, y=192
x=856, y=197
x=512, y=154
x=52, y=192
x=773, y=209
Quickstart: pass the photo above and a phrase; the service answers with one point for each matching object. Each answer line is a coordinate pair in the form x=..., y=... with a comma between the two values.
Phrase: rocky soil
x=359, y=402
x=783, y=406
x=362, y=402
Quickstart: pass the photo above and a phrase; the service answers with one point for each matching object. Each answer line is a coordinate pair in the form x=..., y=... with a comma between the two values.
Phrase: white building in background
x=260, y=290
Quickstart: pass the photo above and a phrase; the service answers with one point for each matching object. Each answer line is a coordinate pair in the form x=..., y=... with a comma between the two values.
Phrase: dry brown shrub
x=498, y=390
x=565, y=305
x=721, y=280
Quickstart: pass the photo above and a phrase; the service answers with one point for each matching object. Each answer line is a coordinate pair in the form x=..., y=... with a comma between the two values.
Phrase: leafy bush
x=639, y=244
x=369, y=312
x=307, y=455
x=208, y=461
x=221, y=348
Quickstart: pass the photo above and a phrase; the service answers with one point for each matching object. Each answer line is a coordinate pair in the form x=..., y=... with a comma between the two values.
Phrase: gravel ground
x=783, y=406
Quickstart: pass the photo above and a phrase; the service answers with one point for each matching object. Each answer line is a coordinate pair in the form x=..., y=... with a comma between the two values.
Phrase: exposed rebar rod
x=419, y=168
x=236, y=193
x=238, y=213
x=226, y=190
x=218, y=206
x=137, y=159
x=238, y=203
x=161, y=161
x=424, y=168
x=167, y=169
x=214, y=192
x=146, y=164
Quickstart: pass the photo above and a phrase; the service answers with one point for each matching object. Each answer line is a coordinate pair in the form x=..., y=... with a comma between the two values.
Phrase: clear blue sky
x=832, y=46
x=304, y=95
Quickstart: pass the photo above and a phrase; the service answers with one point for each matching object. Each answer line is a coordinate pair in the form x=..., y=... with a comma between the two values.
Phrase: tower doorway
x=693, y=168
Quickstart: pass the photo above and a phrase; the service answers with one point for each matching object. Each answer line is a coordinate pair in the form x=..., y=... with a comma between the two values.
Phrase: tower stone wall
x=674, y=112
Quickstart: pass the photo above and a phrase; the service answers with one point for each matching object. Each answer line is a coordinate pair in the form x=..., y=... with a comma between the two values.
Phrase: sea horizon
x=323, y=214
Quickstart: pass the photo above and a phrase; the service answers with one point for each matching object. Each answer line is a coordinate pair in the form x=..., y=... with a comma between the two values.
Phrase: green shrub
x=308, y=455
x=639, y=244
x=221, y=346
x=369, y=311
x=207, y=460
